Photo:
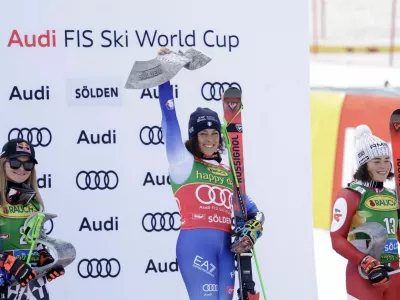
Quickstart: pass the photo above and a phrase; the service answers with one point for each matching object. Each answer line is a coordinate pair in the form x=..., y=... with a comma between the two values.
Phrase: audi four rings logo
x=210, y=288
x=35, y=136
x=213, y=90
x=151, y=135
x=102, y=267
x=94, y=180
x=161, y=222
x=215, y=195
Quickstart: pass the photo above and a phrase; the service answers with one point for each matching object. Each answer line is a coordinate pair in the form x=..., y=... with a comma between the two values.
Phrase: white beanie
x=369, y=146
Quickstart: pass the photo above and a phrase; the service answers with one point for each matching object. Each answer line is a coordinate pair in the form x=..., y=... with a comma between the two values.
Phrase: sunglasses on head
x=16, y=164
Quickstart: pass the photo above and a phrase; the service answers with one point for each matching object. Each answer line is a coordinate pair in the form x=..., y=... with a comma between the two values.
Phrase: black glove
x=45, y=258
x=379, y=275
x=22, y=272
x=54, y=273
x=377, y=272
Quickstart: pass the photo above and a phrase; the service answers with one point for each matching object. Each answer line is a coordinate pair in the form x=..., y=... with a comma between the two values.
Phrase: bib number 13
x=390, y=225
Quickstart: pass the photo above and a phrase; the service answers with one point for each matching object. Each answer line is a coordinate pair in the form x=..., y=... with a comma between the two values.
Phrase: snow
x=330, y=268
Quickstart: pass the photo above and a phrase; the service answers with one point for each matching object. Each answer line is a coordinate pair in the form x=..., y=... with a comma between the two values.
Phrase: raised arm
x=179, y=158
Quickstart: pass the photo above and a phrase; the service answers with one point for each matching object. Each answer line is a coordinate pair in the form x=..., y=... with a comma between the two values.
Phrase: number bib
x=12, y=222
x=380, y=208
x=205, y=198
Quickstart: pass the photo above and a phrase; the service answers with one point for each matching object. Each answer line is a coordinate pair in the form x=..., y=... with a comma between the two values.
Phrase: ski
x=394, y=130
x=232, y=131
x=395, y=139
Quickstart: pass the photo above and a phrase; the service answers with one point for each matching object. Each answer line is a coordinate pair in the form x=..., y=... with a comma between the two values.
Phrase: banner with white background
x=102, y=164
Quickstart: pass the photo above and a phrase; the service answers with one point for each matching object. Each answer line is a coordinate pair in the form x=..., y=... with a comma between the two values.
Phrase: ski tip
x=233, y=92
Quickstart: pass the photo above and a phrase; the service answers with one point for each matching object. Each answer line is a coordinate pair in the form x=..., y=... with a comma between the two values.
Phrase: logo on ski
x=234, y=106
x=239, y=127
x=396, y=126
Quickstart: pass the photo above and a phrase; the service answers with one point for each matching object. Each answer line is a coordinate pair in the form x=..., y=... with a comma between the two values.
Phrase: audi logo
x=161, y=222
x=210, y=288
x=214, y=195
x=93, y=180
x=35, y=136
x=102, y=267
x=151, y=135
x=213, y=90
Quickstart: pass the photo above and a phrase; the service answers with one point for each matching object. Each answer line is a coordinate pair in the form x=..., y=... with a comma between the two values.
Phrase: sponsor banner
x=88, y=38
x=99, y=268
x=94, y=91
x=103, y=168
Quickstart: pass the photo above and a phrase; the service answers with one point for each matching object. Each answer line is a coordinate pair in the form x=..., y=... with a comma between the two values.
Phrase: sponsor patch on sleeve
x=339, y=214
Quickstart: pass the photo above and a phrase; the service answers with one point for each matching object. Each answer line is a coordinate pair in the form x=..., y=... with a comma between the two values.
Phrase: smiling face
x=17, y=175
x=379, y=168
x=209, y=140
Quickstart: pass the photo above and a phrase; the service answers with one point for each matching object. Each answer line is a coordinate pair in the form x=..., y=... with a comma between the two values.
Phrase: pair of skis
x=232, y=131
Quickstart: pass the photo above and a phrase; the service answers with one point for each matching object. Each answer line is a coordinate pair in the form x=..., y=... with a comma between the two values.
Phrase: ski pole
x=259, y=273
x=33, y=229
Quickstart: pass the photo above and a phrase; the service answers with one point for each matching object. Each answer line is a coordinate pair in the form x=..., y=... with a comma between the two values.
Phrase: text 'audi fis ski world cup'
x=87, y=38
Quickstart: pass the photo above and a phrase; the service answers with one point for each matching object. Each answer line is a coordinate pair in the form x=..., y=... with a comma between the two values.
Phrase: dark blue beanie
x=203, y=118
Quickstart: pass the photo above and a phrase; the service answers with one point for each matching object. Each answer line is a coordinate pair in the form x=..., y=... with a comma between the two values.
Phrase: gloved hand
x=45, y=258
x=246, y=236
x=377, y=272
x=22, y=272
x=54, y=273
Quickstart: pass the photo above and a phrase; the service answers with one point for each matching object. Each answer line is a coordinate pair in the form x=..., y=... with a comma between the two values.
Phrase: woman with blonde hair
x=20, y=198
